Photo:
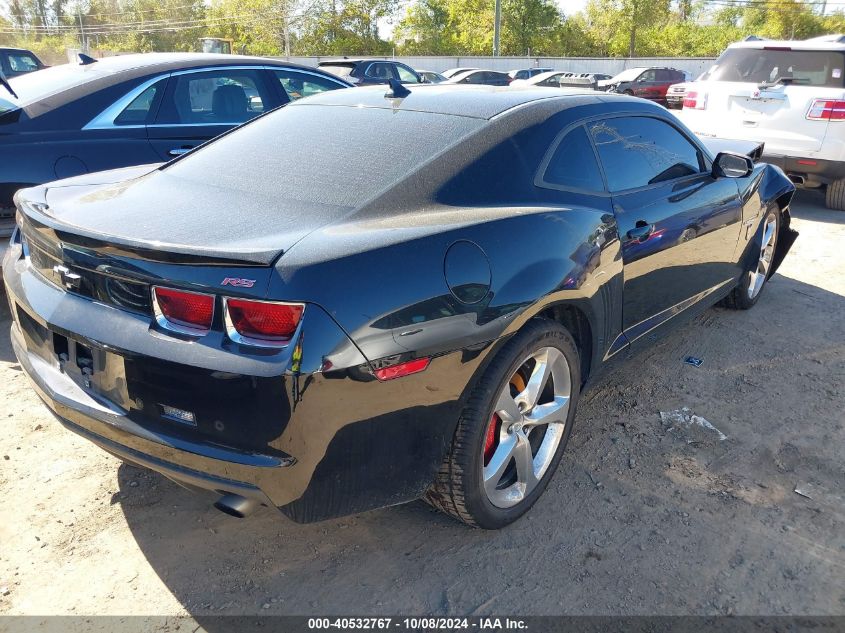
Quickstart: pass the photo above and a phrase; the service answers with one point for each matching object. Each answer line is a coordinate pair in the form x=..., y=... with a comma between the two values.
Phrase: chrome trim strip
x=236, y=337
x=638, y=330
x=163, y=323
x=106, y=119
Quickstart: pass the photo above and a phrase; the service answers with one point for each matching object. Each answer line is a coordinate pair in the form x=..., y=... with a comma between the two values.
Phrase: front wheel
x=513, y=430
x=745, y=295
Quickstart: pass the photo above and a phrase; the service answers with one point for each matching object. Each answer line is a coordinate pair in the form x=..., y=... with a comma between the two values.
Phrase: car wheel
x=748, y=291
x=513, y=429
x=834, y=197
x=630, y=93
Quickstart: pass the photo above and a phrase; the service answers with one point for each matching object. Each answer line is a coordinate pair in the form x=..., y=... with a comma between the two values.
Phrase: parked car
x=548, y=79
x=133, y=109
x=369, y=72
x=527, y=73
x=325, y=327
x=481, y=77
x=648, y=83
x=456, y=71
x=560, y=79
x=18, y=61
x=676, y=92
x=431, y=77
x=787, y=94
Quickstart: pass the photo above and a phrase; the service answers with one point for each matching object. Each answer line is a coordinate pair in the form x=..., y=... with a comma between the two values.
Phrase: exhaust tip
x=236, y=506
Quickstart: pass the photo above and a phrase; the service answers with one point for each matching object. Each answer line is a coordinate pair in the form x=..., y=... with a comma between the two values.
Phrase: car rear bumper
x=807, y=171
x=315, y=439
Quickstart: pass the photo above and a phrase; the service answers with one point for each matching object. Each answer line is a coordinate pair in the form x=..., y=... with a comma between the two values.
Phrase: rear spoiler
x=752, y=149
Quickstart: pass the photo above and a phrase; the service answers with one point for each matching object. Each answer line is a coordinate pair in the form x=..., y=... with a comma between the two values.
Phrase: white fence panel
x=606, y=65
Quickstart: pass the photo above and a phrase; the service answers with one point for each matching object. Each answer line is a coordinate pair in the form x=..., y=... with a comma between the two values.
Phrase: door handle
x=641, y=232
x=178, y=151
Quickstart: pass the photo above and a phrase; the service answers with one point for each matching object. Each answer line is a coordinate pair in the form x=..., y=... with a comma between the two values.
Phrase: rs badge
x=237, y=282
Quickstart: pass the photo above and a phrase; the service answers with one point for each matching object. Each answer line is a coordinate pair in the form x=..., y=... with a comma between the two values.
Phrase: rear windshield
x=33, y=87
x=341, y=70
x=770, y=66
x=317, y=153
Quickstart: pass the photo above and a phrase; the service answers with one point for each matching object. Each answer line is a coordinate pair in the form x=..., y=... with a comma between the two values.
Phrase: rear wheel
x=513, y=430
x=745, y=295
x=834, y=197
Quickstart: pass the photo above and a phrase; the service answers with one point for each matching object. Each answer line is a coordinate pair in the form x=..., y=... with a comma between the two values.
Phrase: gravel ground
x=644, y=516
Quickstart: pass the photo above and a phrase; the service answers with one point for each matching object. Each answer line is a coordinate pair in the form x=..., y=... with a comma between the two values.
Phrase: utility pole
x=497, y=26
x=82, y=43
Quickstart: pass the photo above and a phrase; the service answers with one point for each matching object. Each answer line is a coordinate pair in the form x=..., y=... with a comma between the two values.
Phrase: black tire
x=834, y=195
x=630, y=93
x=458, y=490
x=740, y=298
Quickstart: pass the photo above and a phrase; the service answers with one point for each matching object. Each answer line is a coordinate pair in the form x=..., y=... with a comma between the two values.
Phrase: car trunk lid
x=173, y=215
x=777, y=113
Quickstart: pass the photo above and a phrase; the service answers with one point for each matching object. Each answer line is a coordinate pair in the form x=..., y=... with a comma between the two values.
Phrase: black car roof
x=7, y=49
x=481, y=102
x=122, y=67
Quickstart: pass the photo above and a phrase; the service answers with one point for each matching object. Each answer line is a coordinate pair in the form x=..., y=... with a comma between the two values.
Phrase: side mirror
x=731, y=165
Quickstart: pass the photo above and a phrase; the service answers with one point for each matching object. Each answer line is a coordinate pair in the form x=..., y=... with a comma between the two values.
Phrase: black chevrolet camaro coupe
x=304, y=316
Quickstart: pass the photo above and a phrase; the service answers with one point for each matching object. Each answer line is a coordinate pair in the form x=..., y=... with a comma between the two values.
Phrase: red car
x=648, y=83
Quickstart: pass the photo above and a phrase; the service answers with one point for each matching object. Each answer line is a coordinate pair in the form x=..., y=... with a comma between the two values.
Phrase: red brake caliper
x=490, y=439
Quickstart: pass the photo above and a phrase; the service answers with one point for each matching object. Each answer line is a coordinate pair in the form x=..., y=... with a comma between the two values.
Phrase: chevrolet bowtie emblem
x=70, y=280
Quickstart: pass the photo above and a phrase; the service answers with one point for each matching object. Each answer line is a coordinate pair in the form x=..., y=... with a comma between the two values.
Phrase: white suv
x=789, y=95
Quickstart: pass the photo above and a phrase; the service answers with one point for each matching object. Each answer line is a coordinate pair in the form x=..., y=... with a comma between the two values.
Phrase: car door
x=678, y=224
x=644, y=86
x=201, y=104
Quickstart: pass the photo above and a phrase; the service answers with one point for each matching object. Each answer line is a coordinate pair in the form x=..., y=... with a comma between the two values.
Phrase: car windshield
x=780, y=65
x=286, y=141
x=33, y=87
x=627, y=75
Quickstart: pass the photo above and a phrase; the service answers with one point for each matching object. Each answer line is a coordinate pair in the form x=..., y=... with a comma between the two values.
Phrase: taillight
x=826, y=110
x=402, y=369
x=695, y=100
x=183, y=311
x=262, y=322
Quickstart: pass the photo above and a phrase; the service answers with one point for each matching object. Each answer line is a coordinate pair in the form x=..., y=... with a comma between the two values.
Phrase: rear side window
x=799, y=68
x=341, y=70
x=573, y=164
x=640, y=151
x=138, y=112
x=298, y=85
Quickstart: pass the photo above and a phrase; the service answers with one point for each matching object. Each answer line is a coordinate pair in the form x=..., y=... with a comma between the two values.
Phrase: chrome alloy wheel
x=767, y=251
x=527, y=425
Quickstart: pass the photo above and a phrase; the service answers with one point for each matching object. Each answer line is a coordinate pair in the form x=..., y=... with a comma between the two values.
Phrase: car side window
x=641, y=151
x=405, y=75
x=139, y=110
x=573, y=164
x=298, y=85
x=379, y=71
x=219, y=97
x=648, y=75
x=21, y=63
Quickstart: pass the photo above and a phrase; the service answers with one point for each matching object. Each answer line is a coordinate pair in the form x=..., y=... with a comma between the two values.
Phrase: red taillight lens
x=826, y=110
x=190, y=311
x=263, y=321
x=402, y=369
x=695, y=100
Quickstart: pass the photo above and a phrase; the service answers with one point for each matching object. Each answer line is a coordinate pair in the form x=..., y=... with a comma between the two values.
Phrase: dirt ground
x=644, y=516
